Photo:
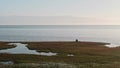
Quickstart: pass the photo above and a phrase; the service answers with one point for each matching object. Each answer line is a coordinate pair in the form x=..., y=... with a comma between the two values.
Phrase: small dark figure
x=76, y=40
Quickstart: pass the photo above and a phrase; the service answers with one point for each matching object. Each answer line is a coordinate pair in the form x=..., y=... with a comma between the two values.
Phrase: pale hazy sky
x=63, y=12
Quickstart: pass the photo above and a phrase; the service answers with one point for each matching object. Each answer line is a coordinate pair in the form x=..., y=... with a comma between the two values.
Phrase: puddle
x=22, y=49
x=112, y=45
x=48, y=53
x=70, y=55
x=7, y=63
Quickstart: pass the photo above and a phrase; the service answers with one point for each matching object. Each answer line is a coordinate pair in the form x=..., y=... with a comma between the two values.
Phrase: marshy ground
x=5, y=45
x=85, y=55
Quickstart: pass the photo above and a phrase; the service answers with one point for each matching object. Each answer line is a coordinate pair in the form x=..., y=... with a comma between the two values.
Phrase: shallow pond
x=70, y=55
x=7, y=62
x=112, y=45
x=22, y=49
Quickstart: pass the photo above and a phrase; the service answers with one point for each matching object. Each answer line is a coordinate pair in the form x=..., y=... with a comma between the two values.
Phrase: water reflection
x=70, y=55
x=7, y=63
x=22, y=49
x=112, y=45
x=48, y=53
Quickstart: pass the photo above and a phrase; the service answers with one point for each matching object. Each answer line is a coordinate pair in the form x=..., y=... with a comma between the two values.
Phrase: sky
x=59, y=12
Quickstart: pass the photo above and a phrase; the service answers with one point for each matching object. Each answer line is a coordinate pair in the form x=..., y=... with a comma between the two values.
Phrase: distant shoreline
x=54, y=41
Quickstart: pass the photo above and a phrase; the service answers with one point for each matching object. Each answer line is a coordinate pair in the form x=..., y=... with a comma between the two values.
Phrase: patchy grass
x=60, y=65
x=39, y=65
x=59, y=46
x=86, y=55
x=4, y=45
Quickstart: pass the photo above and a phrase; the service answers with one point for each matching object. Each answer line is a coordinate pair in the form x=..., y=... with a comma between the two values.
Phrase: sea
x=43, y=33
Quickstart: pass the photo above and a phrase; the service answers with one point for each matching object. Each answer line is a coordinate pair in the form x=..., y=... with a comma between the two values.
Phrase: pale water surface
x=22, y=49
x=7, y=63
x=109, y=34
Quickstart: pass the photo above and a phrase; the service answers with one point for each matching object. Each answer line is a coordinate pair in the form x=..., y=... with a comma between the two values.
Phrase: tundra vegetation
x=5, y=45
x=86, y=55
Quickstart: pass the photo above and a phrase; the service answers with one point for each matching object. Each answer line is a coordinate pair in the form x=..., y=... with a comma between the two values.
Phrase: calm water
x=22, y=49
x=19, y=49
x=110, y=34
